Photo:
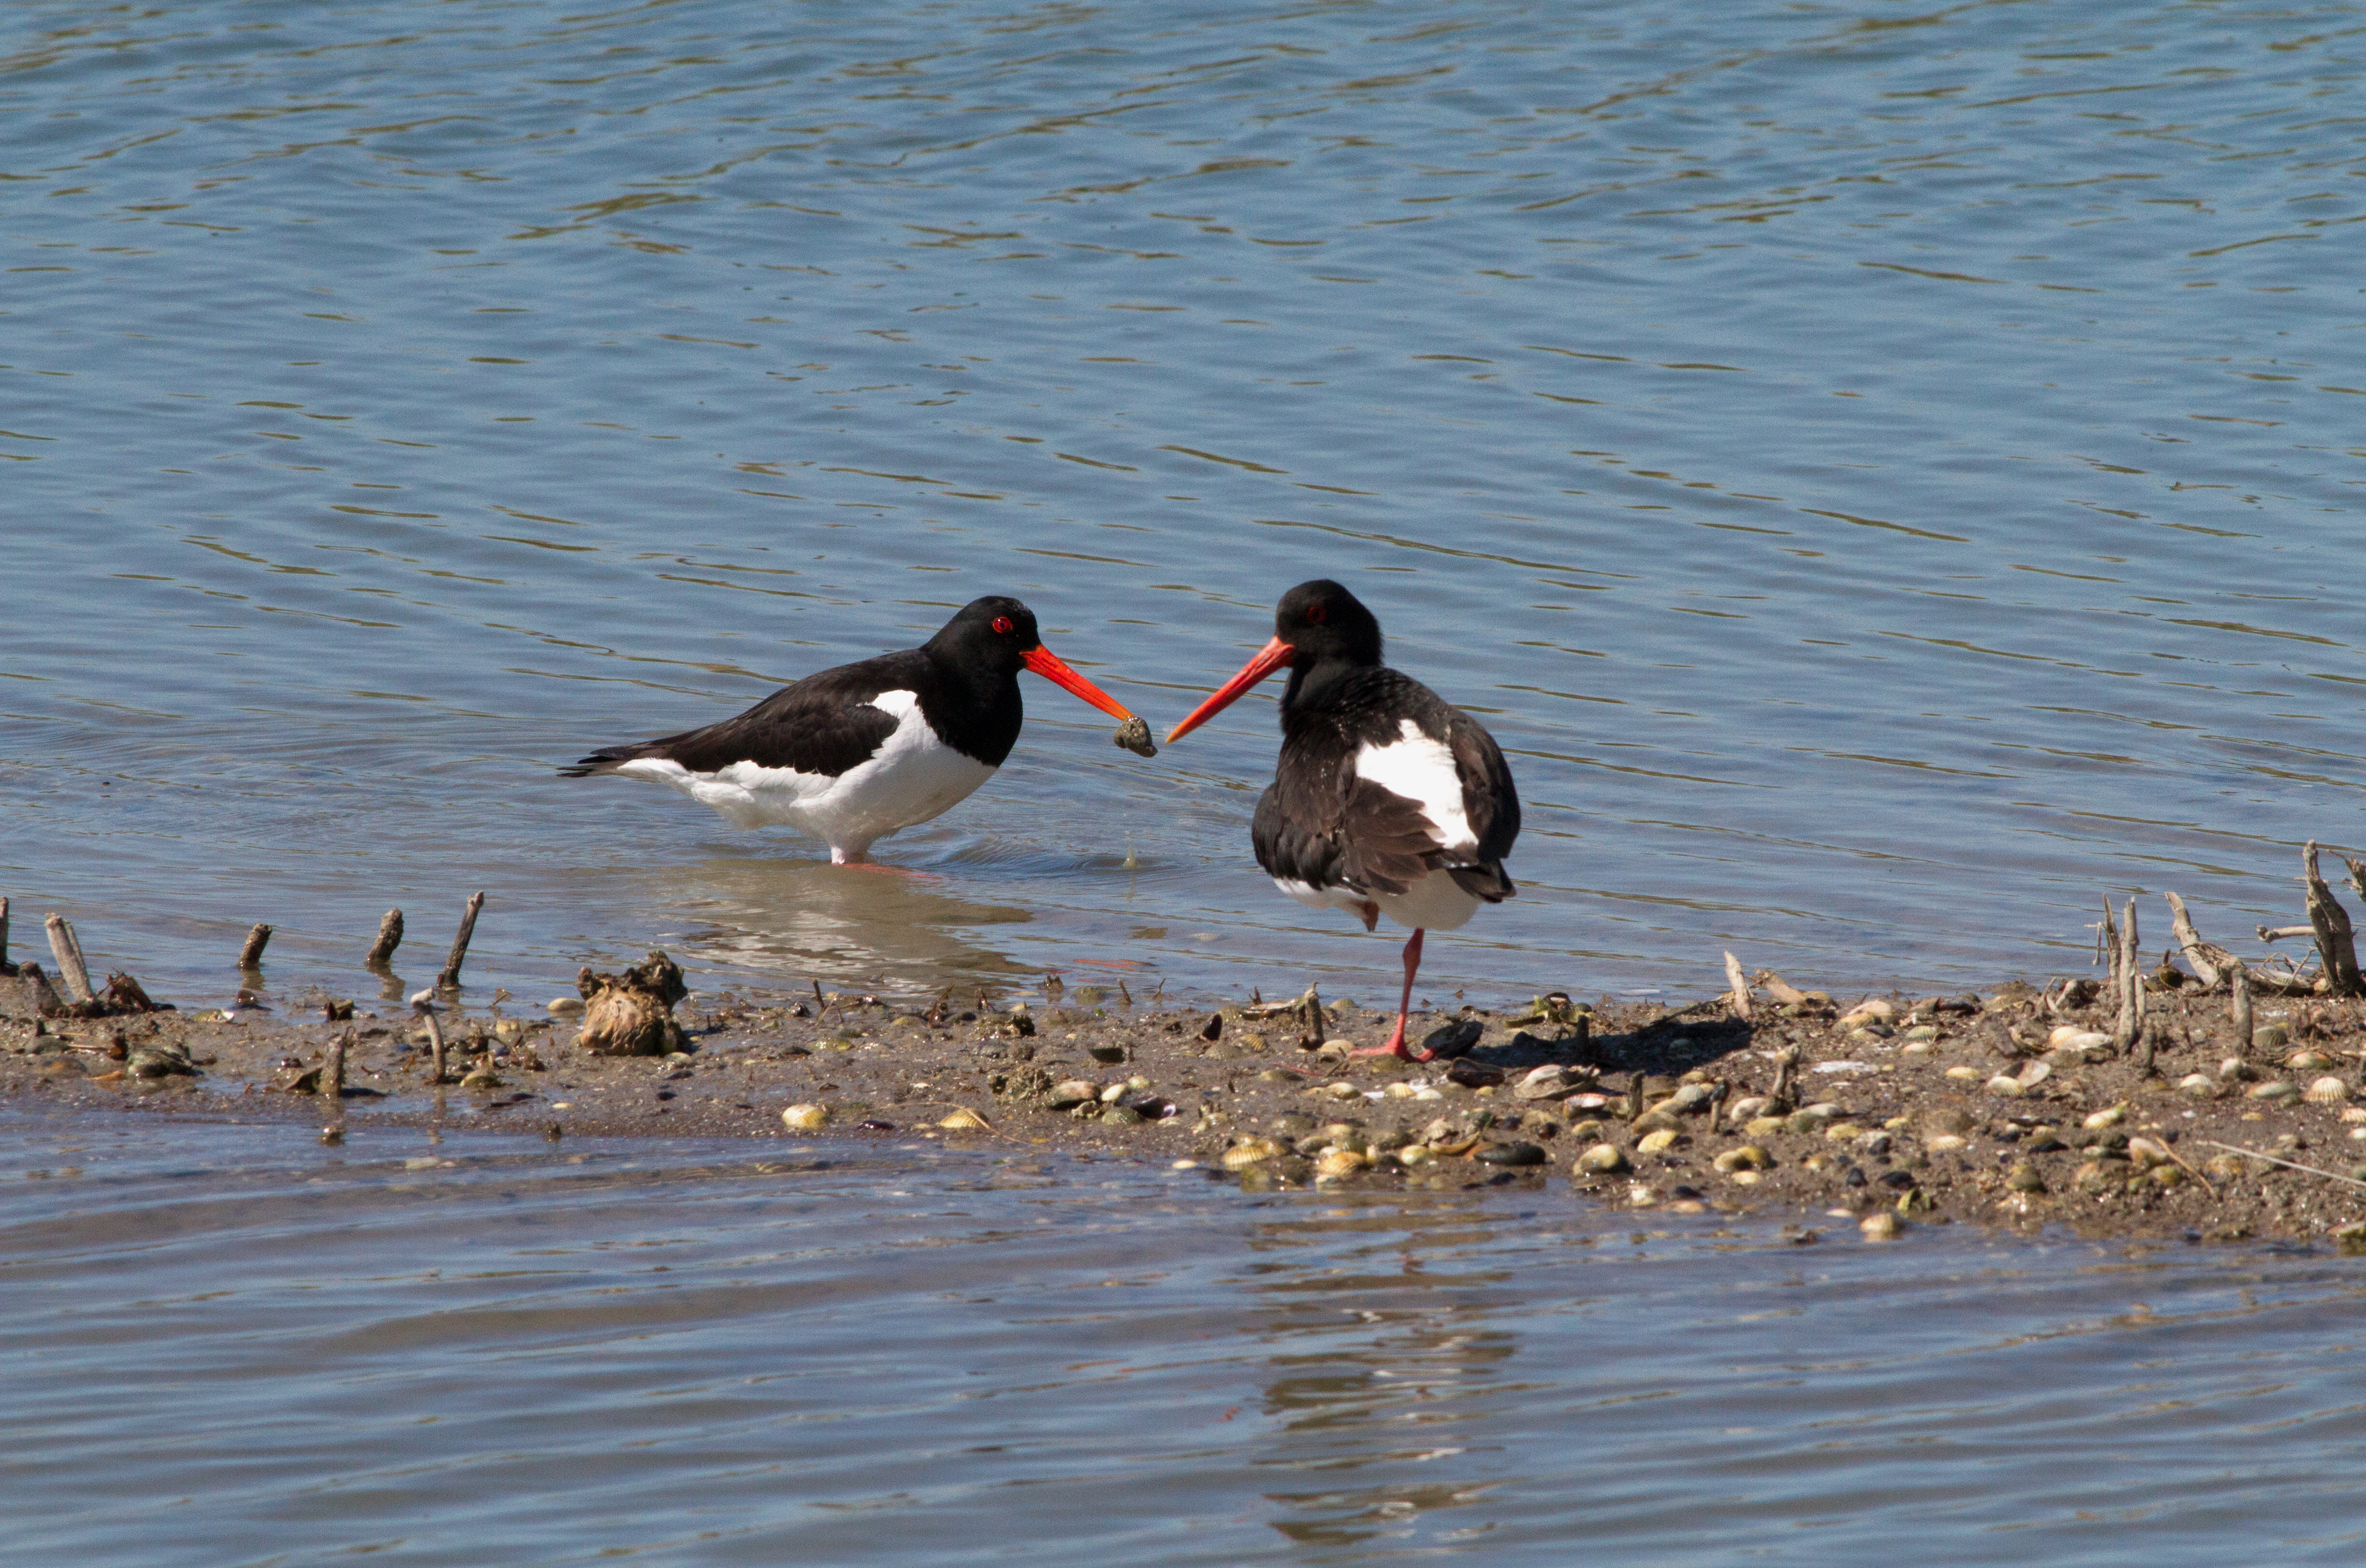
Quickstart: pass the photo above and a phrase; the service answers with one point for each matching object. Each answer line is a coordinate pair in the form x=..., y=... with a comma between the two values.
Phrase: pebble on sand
x=805, y=1118
x=1602, y=1159
x=1884, y=1226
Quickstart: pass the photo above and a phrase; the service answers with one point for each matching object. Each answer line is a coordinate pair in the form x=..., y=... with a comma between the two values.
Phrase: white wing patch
x=1422, y=770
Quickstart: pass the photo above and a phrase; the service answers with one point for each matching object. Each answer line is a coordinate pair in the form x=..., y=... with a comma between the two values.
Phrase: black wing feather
x=1323, y=824
x=824, y=724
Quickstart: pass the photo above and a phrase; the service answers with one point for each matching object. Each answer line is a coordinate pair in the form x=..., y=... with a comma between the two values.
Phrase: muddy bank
x=2001, y=1109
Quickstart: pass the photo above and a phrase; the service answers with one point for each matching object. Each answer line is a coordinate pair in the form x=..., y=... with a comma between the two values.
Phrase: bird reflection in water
x=1384, y=1367
x=811, y=919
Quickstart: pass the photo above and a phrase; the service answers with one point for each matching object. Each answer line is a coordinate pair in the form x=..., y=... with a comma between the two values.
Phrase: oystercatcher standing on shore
x=1387, y=800
x=852, y=754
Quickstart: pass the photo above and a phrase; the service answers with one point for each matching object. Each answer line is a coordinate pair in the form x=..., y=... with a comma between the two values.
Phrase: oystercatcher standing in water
x=852, y=754
x=1387, y=800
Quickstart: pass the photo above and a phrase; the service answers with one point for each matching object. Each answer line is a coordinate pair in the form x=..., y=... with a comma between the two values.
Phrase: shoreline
x=2011, y=1108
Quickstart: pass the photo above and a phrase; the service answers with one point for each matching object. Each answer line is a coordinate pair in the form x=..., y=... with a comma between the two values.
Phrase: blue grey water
x=1887, y=475
x=247, y=1349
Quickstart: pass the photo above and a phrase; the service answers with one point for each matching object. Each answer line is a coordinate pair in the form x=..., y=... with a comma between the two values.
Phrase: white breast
x=1421, y=769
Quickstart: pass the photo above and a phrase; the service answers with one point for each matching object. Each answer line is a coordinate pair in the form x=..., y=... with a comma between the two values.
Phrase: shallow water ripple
x=1885, y=479
x=722, y=1354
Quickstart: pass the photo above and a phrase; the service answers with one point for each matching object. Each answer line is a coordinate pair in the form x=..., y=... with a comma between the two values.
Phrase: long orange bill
x=1046, y=663
x=1270, y=658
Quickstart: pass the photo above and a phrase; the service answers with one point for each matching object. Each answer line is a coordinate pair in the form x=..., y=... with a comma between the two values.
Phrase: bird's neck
x=1312, y=685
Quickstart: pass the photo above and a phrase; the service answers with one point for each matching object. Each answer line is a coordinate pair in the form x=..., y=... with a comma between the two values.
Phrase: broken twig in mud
x=332, y=1066
x=2238, y=981
x=250, y=954
x=2128, y=972
x=389, y=937
x=2278, y=1160
x=2209, y=960
x=2329, y=923
x=449, y=981
x=426, y=1010
x=70, y=967
x=1782, y=990
x=5, y=968
x=1737, y=987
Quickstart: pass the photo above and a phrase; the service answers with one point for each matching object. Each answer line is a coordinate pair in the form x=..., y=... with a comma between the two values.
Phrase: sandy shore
x=1900, y=1112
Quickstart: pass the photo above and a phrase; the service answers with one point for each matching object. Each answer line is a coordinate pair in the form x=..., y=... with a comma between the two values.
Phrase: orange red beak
x=1049, y=665
x=1270, y=657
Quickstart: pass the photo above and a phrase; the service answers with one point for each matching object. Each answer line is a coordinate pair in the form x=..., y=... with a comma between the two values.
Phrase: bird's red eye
x=1004, y=625
x=1315, y=613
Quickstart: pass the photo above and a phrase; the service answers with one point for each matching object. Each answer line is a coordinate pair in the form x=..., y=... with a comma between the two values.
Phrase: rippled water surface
x=254, y=1351
x=1886, y=474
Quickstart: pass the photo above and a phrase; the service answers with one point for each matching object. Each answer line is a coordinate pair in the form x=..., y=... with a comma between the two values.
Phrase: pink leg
x=1396, y=1045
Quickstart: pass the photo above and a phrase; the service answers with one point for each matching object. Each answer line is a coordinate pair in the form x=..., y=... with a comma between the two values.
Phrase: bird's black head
x=1322, y=622
x=993, y=639
x=994, y=633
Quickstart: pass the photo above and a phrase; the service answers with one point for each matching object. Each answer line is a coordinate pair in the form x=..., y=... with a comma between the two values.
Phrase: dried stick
x=2209, y=961
x=5, y=968
x=250, y=957
x=2107, y=945
x=2336, y=945
x=333, y=1070
x=389, y=937
x=2279, y=934
x=435, y=1036
x=1781, y=990
x=2127, y=979
x=1738, y=985
x=2274, y=1160
x=2239, y=1010
x=70, y=967
x=450, y=978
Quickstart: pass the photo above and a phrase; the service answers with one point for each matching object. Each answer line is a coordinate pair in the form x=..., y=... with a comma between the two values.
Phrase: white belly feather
x=913, y=777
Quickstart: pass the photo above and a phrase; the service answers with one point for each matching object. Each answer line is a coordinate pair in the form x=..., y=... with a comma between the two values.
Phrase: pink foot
x=1395, y=1047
